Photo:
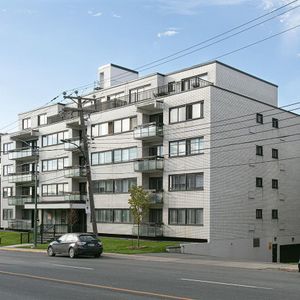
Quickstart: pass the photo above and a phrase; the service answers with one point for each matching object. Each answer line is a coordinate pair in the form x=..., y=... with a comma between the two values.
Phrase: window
x=7, y=169
x=7, y=192
x=275, y=123
x=7, y=214
x=274, y=214
x=171, y=87
x=7, y=147
x=274, y=153
x=55, y=164
x=42, y=119
x=256, y=242
x=113, y=216
x=186, y=182
x=259, y=150
x=274, y=183
x=140, y=93
x=192, y=82
x=26, y=123
x=114, y=156
x=186, y=216
x=186, y=147
x=55, y=138
x=187, y=112
x=114, y=185
x=56, y=189
x=259, y=214
x=259, y=118
x=259, y=182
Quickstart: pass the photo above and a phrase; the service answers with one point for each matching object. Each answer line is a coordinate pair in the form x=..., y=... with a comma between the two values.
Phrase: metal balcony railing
x=75, y=172
x=149, y=164
x=155, y=197
x=21, y=177
x=150, y=230
x=22, y=153
x=75, y=197
x=147, y=131
x=20, y=224
x=20, y=200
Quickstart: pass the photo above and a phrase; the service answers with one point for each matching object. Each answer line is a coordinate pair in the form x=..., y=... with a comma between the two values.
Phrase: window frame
x=26, y=123
x=7, y=214
x=275, y=184
x=275, y=123
x=176, y=179
x=55, y=186
x=54, y=136
x=7, y=192
x=259, y=214
x=275, y=153
x=44, y=118
x=259, y=182
x=186, y=106
x=259, y=118
x=176, y=212
x=259, y=150
x=274, y=214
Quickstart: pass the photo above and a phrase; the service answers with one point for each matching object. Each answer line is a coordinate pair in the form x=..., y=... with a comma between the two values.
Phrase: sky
x=49, y=46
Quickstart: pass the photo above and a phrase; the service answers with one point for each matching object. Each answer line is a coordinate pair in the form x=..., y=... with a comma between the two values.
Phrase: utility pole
x=78, y=100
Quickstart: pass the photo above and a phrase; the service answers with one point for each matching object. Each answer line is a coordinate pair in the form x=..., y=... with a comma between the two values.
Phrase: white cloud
x=189, y=7
x=116, y=16
x=94, y=14
x=167, y=33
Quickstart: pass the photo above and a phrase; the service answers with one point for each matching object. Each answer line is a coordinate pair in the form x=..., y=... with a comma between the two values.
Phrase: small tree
x=73, y=218
x=139, y=202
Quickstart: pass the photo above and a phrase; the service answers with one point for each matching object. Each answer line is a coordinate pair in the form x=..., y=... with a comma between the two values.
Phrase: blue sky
x=48, y=46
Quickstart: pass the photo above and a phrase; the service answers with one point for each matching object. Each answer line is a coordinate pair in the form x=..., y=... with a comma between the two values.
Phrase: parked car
x=75, y=244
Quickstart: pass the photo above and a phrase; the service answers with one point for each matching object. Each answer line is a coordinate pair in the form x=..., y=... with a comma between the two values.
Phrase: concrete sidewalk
x=181, y=259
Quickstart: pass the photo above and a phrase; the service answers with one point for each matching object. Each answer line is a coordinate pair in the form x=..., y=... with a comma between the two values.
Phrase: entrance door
x=274, y=253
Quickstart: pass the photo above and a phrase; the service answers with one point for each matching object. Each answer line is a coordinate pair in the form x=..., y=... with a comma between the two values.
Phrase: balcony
x=25, y=134
x=150, y=131
x=77, y=172
x=20, y=200
x=155, y=197
x=25, y=177
x=75, y=197
x=150, y=164
x=149, y=230
x=22, y=154
x=20, y=224
x=73, y=144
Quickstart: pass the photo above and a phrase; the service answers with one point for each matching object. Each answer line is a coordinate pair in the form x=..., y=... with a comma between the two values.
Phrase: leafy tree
x=139, y=202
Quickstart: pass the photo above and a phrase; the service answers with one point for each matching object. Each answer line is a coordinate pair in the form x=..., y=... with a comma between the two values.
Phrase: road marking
x=73, y=267
x=105, y=287
x=226, y=283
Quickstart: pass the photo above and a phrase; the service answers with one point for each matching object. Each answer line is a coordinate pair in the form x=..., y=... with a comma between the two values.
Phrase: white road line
x=230, y=284
x=72, y=267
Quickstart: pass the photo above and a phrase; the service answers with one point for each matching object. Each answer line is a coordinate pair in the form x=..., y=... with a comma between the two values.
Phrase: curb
x=22, y=250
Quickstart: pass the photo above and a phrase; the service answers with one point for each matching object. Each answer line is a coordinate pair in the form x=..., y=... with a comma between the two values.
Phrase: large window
x=7, y=169
x=186, y=147
x=54, y=138
x=7, y=214
x=42, y=119
x=186, y=182
x=56, y=189
x=113, y=216
x=186, y=216
x=140, y=93
x=116, y=126
x=114, y=156
x=26, y=123
x=55, y=164
x=7, y=192
x=7, y=147
x=186, y=112
x=114, y=185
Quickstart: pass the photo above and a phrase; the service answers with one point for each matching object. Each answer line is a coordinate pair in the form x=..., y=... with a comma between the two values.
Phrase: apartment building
x=209, y=143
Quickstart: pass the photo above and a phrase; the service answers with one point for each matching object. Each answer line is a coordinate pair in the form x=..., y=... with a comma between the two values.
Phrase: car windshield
x=87, y=238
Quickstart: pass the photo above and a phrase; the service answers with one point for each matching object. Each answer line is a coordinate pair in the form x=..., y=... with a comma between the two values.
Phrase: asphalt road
x=37, y=276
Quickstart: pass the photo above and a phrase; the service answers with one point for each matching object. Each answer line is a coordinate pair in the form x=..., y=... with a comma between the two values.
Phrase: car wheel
x=50, y=251
x=97, y=255
x=72, y=253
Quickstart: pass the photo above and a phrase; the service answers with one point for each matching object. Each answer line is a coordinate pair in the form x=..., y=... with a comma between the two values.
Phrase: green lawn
x=110, y=245
x=9, y=238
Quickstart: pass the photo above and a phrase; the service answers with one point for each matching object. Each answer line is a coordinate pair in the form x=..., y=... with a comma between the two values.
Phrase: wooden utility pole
x=85, y=151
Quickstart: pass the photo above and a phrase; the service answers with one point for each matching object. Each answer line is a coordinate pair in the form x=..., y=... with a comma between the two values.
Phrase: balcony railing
x=155, y=197
x=73, y=144
x=148, y=131
x=20, y=200
x=21, y=177
x=150, y=164
x=20, y=224
x=75, y=197
x=154, y=93
x=76, y=172
x=22, y=153
x=151, y=230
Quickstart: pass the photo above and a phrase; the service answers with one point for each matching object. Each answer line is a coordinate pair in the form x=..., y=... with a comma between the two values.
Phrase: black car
x=75, y=244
